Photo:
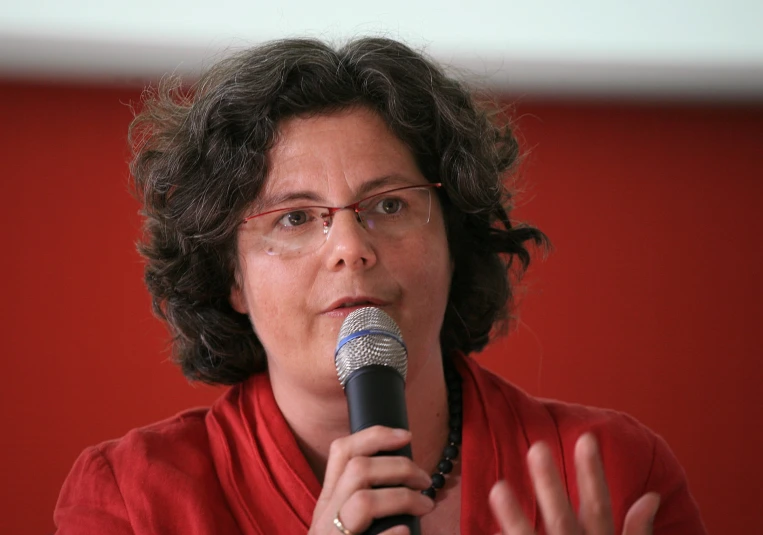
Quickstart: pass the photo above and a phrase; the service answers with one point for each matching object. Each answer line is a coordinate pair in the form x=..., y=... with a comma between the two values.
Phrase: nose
x=348, y=243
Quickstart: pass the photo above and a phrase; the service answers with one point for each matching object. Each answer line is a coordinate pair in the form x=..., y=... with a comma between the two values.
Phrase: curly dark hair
x=199, y=160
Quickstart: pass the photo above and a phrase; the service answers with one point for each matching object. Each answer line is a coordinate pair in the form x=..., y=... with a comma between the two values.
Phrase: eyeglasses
x=302, y=229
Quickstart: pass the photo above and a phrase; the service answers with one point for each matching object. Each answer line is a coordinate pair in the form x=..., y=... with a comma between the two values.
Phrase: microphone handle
x=376, y=396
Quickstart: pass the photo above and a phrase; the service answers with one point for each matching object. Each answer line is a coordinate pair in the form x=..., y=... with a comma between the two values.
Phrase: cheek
x=427, y=268
x=274, y=284
x=275, y=297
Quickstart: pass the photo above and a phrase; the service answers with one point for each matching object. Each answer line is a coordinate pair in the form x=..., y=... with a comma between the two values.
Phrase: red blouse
x=235, y=468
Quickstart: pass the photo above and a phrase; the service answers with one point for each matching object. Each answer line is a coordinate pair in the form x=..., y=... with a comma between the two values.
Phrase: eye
x=389, y=205
x=294, y=219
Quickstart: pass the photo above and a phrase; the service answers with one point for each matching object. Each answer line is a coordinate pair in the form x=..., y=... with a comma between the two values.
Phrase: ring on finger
x=340, y=526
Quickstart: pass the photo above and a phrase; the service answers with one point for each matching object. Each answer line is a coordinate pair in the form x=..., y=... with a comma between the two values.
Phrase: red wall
x=649, y=303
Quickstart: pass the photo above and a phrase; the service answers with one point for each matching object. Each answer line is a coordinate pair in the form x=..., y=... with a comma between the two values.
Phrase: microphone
x=371, y=363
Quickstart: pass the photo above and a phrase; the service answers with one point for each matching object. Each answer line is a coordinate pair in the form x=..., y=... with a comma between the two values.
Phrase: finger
x=640, y=517
x=365, y=505
x=507, y=511
x=363, y=443
x=552, y=498
x=595, y=507
x=366, y=472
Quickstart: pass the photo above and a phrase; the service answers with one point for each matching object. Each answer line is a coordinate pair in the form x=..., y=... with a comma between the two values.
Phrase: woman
x=298, y=183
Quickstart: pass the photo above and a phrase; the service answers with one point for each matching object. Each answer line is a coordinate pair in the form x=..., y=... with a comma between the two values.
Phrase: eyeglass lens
x=301, y=229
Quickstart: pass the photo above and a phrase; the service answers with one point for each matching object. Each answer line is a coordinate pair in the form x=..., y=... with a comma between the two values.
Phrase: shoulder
x=172, y=452
x=628, y=447
x=110, y=484
x=560, y=422
x=181, y=437
x=636, y=459
x=617, y=433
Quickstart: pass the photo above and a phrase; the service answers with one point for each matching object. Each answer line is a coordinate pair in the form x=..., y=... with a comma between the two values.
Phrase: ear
x=238, y=299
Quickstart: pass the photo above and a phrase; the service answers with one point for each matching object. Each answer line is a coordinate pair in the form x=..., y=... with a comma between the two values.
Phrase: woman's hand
x=351, y=474
x=595, y=514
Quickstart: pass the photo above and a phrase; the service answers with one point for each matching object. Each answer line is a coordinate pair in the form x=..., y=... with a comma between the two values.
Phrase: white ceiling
x=679, y=48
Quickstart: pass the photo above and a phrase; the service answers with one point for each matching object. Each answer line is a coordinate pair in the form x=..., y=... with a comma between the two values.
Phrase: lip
x=336, y=307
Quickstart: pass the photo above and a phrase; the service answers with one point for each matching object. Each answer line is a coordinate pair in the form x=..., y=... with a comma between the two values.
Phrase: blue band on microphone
x=367, y=332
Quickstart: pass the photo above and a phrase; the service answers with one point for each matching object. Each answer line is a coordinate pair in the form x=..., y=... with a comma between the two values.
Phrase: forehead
x=338, y=152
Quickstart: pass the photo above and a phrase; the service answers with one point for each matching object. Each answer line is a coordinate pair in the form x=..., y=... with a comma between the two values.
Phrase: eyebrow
x=306, y=195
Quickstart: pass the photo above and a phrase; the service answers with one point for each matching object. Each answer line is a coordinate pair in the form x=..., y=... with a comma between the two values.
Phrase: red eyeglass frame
x=355, y=207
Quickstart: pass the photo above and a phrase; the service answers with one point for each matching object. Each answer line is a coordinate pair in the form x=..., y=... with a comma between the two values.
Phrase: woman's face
x=295, y=302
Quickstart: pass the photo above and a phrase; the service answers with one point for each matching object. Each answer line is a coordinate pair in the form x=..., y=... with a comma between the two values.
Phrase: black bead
x=450, y=452
x=455, y=410
x=445, y=466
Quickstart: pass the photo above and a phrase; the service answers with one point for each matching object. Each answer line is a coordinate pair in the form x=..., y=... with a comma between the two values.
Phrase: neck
x=319, y=418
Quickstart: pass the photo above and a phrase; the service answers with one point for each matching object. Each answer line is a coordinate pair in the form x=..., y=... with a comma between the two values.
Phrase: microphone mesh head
x=368, y=336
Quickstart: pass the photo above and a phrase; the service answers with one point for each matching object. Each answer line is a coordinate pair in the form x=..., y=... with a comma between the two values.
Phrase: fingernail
x=402, y=433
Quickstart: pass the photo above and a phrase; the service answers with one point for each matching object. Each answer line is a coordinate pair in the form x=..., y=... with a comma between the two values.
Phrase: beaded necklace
x=455, y=415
